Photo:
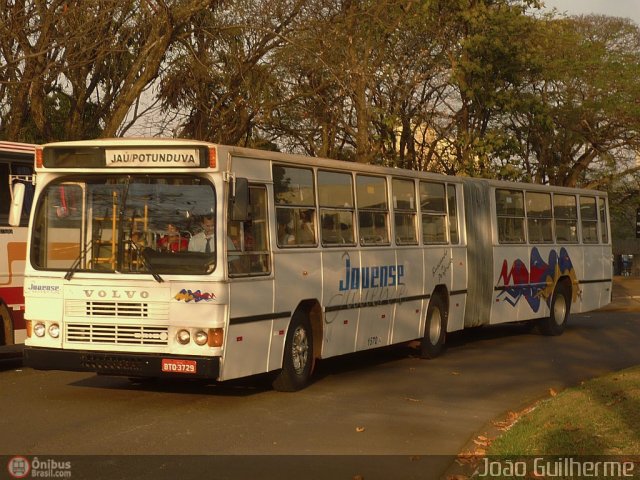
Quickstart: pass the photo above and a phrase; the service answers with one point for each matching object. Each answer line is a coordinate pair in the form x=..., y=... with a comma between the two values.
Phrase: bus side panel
x=438, y=270
x=378, y=294
x=248, y=337
x=607, y=275
x=13, y=248
x=409, y=314
x=338, y=300
x=297, y=277
x=458, y=291
x=594, y=292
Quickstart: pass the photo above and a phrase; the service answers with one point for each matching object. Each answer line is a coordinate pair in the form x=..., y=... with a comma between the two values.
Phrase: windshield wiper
x=75, y=266
x=145, y=261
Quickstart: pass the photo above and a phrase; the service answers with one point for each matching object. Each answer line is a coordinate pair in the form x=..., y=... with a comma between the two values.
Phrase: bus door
x=252, y=320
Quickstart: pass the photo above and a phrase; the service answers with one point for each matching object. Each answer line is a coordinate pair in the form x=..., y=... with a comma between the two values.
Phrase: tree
x=220, y=78
x=491, y=59
x=580, y=122
x=73, y=69
x=339, y=69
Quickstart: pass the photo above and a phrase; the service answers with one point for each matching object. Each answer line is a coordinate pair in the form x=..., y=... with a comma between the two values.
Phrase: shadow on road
x=10, y=363
x=234, y=388
x=359, y=362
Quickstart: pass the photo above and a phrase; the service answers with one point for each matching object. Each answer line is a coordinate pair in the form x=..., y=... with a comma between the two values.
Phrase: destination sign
x=166, y=157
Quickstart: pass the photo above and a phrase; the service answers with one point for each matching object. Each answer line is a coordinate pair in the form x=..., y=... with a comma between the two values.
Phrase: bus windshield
x=126, y=223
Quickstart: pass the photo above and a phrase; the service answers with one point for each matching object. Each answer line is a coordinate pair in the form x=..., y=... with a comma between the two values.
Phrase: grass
x=600, y=417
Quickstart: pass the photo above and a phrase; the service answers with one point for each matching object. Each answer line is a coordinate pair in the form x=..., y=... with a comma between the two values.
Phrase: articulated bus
x=16, y=167
x=176, y=258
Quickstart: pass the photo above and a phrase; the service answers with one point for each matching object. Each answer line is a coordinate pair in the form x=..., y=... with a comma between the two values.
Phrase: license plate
x=170, y=365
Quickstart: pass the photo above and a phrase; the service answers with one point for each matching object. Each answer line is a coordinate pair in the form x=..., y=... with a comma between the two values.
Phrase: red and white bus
x=16, y=167
x=152, y=258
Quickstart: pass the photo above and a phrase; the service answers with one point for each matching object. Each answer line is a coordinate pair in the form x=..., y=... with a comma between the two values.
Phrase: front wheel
x=559, y=308
x=297, y=362
x=435, y=329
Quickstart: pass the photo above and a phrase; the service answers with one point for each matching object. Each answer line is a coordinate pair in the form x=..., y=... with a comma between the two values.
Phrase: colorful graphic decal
x=187, y=296
x=537, y=284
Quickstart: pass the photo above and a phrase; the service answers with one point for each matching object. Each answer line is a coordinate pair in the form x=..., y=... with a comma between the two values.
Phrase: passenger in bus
x=204, y=240
x=285, y=227
x=306, y=234
x=172, y=241
x=285, y=235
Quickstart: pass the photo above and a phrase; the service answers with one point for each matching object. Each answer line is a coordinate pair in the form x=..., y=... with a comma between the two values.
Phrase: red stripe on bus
x=12, y=295
x=18, y=320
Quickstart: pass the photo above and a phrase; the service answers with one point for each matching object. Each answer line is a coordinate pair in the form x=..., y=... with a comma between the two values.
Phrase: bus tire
x=435, y=329
x=297, y=361
x=6, y=326
x=559, y=310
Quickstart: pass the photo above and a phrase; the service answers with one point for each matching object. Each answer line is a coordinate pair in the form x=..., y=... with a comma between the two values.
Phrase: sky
x=616, y=8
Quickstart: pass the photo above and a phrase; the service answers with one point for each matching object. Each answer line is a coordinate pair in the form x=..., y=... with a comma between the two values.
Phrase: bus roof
x=127, y=141
x=16, y=147
x=226, y=151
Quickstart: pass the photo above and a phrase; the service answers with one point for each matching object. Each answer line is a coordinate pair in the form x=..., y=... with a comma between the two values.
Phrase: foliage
x=73, y=69
x=473, y=87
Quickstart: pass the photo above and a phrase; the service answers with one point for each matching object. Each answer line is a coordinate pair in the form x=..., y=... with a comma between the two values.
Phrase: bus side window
x=25, y=171
x=373, y=210
x=604, y=232
x=335, y=194
x=294, y=197
x=510, y=211
x=454, y=237
x=589, y=219
x=434, y=211
x=565, y=213
x=5, y=194
x=539, y=217
x=404, y=205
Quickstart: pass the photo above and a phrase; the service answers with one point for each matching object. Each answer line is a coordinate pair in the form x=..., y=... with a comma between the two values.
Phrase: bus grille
x=116, y=310
x=116, y=334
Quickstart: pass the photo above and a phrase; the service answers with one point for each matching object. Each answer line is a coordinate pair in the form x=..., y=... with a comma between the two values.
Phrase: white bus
x=16, y=167
x=308, y=258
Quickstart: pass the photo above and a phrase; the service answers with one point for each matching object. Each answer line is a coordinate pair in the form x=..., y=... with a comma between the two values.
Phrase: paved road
x=381, y=402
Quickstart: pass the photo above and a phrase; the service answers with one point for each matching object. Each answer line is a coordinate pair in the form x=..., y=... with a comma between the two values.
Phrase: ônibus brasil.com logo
x=20, y=467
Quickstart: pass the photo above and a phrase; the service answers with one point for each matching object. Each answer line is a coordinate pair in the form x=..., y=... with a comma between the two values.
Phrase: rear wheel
x=6, y=326
x=435, y=329
x=297, y=363
x=560, y=307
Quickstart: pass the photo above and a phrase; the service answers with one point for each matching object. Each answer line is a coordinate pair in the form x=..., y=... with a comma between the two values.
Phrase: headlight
x=184, y=337
x=39, y=329
x=54, y=330
x=201, y=337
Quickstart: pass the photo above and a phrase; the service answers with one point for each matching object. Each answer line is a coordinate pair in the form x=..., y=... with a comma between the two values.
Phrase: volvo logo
x=117, y=294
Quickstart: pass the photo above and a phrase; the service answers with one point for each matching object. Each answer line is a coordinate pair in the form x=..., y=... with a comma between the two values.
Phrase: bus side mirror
x=239, y=199
x=17, y=201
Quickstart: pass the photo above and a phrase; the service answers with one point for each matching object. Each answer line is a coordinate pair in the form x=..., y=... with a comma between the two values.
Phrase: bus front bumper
x=124, y=364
